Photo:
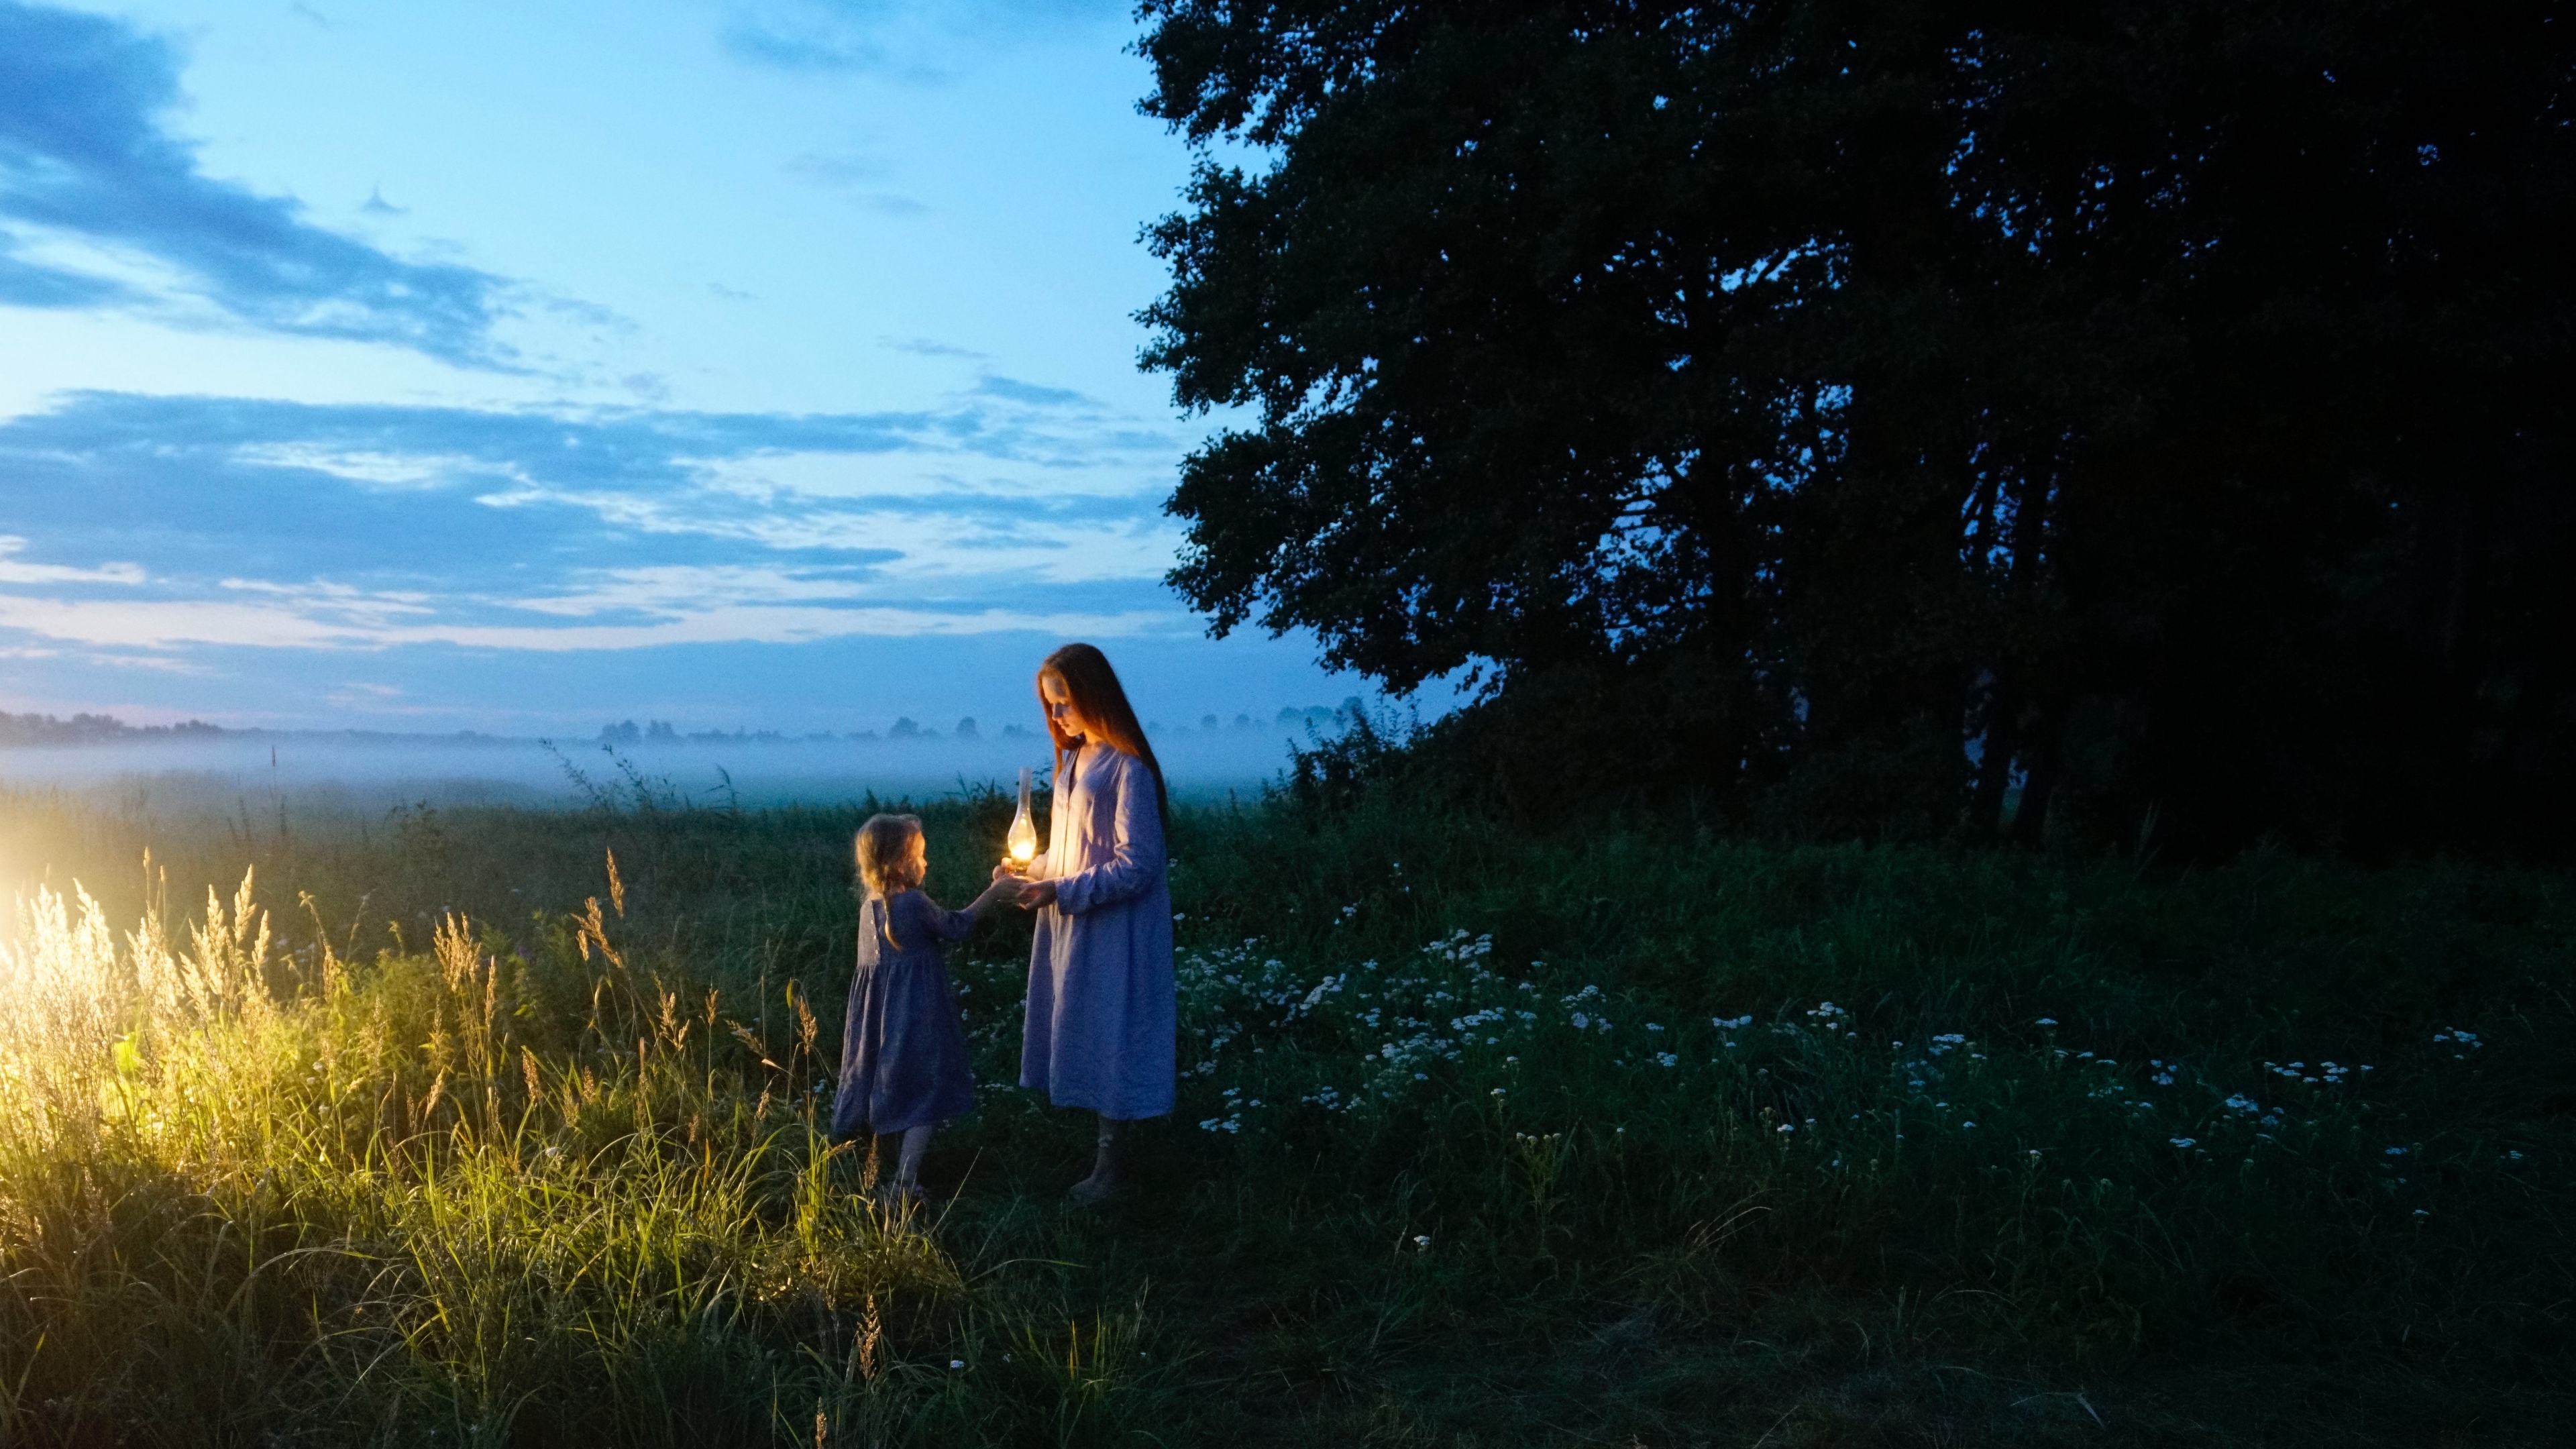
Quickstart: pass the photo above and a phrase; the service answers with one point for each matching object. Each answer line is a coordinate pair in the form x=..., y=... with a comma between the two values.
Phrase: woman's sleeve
x=1135, y=860
x=924, y=917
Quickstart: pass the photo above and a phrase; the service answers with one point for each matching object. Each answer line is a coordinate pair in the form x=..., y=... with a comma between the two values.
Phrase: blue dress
x=903, y=1047
x=1103, y=1009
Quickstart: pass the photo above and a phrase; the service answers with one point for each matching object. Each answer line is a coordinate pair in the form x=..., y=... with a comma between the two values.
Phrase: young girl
x=1101, y=1028
x=903, y=1052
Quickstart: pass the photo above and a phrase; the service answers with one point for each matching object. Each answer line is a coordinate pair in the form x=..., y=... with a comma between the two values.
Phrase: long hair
x=1094, y=689
x=886, y=867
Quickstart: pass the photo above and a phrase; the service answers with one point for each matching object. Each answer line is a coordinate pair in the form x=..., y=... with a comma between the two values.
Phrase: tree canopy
x=2129, y=419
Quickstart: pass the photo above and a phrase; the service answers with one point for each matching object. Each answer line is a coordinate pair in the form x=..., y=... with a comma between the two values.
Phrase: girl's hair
x=885, y=854
x=1094, y=689
x=886, y=867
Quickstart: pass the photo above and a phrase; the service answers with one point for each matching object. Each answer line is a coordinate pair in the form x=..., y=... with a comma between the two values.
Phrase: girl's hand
x=1005, y=872
x=1037, y=894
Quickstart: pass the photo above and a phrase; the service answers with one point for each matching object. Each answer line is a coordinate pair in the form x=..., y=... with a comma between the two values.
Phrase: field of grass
x=442, y=1135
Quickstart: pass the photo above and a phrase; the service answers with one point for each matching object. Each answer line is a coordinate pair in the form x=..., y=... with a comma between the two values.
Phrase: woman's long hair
x=1094, y=689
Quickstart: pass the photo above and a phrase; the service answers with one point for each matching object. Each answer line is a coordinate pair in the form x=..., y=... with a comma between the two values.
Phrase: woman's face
x=1061, y=711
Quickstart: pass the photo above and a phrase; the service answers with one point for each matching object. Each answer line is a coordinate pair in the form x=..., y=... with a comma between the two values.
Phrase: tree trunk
x=2002, y=715
x=2040, y=762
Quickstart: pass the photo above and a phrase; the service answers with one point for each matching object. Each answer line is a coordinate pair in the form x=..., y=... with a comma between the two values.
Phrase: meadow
x=437, y=1127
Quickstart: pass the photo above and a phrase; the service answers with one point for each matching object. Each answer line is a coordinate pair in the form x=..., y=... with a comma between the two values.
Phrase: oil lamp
x=1022, y=838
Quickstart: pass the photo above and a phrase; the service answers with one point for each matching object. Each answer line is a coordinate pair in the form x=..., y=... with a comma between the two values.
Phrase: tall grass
x=505, y=1132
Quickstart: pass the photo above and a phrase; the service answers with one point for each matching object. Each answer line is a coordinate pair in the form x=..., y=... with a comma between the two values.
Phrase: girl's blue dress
x=903, y=1047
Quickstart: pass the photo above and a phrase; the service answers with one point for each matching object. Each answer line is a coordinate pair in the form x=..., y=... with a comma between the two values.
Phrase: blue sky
x=515, y=367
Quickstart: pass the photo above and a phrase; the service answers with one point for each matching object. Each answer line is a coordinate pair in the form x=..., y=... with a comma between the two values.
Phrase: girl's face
x=919, y=855
x=1061, y=710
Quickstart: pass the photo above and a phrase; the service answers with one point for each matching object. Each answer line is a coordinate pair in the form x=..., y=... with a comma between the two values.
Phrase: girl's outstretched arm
x=1003, y=885
x=927, y=915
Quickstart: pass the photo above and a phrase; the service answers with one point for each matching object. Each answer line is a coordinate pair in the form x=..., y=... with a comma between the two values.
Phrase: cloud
x=367, y=610
x=916, y=40
x=930, y=347
x=786, y=48
x=835, y=170
x=358, y=465
x=1030, y=393
x=139, y=625
x=14, y=572
x=32, y=284
x=123, y=216
x=849, y=174
x=677, y=590
x=167, y=526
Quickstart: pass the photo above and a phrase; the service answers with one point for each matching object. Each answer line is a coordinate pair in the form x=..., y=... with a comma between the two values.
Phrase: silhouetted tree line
x=91, y=729
x=2017, y=420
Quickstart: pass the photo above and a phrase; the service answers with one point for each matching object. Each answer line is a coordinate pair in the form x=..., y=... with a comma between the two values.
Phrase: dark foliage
x=1999, y=419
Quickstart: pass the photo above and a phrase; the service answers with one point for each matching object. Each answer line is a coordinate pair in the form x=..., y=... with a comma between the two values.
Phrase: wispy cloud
x=766, y=42
x=851, y=175
x=133, y=625
x=1030, y=393
x=14, y=572
x=104, y=207
x=265, y=525
x=836, y=170
x=930, y=347
x=915, y=40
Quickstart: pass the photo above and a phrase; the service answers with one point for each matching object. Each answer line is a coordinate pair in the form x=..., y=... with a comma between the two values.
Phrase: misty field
x=430, y=1130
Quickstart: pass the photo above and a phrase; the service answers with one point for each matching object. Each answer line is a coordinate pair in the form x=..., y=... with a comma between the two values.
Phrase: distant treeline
x=93, y=729
x=663, y=732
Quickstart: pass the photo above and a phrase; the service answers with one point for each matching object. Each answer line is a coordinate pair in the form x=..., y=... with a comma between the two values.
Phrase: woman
x=1102, y=1007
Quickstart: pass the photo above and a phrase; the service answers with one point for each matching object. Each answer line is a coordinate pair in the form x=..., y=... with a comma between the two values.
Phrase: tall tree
x=2155, y=412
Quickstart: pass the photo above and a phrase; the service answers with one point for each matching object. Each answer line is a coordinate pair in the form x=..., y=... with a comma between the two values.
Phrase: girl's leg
x=1105, y=1165
x=907, y=1172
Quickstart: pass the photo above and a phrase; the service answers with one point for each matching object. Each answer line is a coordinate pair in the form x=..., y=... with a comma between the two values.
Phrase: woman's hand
x=1036, y=894
x=1007, y=870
